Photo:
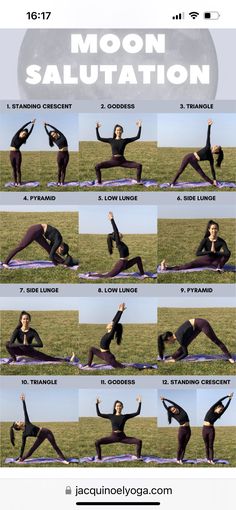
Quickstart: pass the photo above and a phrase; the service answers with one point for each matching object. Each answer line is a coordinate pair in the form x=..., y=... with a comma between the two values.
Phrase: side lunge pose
x=118, y=421
x=114, y=329
x=185, y=334
x=184, y=434
x=204, y=154
x=30, y=430
x=212, y=252
x=57, y=137
x=18, y=139
x=118, y=145
x=208, y=430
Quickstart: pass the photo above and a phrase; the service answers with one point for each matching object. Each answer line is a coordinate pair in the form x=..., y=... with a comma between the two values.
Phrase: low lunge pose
x=24, y=339
x=118, y=421
x=42, y=233
x=184, y=434
x=204, y=154
x=57, y=137
x=118, y=145
x=114, y=329
x=208, y=430
x=212, y=252
x=30, y=430
x=18, y=139
x=184, y=335
x=123, y=262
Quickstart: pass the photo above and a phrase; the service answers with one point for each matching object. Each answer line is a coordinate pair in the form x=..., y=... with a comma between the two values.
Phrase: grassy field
x=67, y=442
x=178, y=241
x=97, y=259
x=92, y=153
x=222, y=320
x=170, y=158
x=161, y=442
x=58, y=332
x=39, y=166
x=14, y=226
x=138, y=345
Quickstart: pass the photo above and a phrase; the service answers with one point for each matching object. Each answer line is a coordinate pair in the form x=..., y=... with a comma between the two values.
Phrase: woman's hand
x=98, y=400
x=162, y=398
x=139, y=123
x=122, y=307
x=98, y=125
x=210, y=122
x=110, y=216
x=213, y=250
x=33, y=121
x=231, y=395
x=139, y=399
x=171, y=360
x=22, y=397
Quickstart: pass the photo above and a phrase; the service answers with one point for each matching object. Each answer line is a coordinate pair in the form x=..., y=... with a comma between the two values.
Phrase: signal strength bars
x=179, y=16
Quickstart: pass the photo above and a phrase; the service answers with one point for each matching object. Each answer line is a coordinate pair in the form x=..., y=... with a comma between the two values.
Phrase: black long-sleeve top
x=108, y=337
x=31, y=337
x=118, y=421
x=181, y=417
x=205, y=153
x=30, y=430
x=211, y=416
x=61, y=142
x=185, y=334
x=118, y=144
x=53, y=235
x=220, y=245
x=121, y=247
x=17, y=141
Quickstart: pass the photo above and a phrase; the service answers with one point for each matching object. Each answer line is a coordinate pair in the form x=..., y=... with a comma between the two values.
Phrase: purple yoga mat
x=204, y=357
x=103, y=366
x=227, y=268
x=91, y=276
x=117, y=183
x=40, y=460
x=25, y=184
x=65, y=185
x=31, y=361
x=32, y=264
x=180, y=185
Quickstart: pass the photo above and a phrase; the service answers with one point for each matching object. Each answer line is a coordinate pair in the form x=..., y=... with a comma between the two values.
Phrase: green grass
x=97, y=259
x=178, y=241
x=169, y=160
x=66, y=435
x=58, y=331
x=138, y=345
x=222, y=320
x=13, y=228
x=92, y=153
x=39, y=166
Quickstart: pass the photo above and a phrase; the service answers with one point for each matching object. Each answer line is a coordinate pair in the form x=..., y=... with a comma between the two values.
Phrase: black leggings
x=29, y=351
x=107, y=356
x=62, y=162
x=121, y=265
x=16, y=159
x=118, y=437
x=118, y=161
x=184, y=435
x=203, y=326
x=208, y=434
x=217, y=260
x=190, y=159
x=34, y=233
x=42, y=435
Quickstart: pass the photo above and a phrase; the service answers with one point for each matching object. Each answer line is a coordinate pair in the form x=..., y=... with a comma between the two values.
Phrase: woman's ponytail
x=118, y=333
x=220, y=158
x=110, y=239
x=161, y=342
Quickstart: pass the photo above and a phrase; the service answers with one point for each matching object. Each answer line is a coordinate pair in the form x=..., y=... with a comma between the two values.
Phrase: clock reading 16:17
x=38, y=15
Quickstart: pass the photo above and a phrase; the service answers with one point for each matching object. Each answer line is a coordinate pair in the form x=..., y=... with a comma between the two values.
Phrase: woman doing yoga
x=18, y=139
x=57, y=137
x=204, y=154
x=184, y=434
x=27, y=339
x=118, y=421
x=185, y=334
x=42, y=233
x=114, y=329
x=123, y=262
x=118, y=145
x=30, y=430
x=212, y=252
x=208, y=430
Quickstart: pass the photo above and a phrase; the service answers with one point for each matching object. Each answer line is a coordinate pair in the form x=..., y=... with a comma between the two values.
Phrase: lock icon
x=68, y=490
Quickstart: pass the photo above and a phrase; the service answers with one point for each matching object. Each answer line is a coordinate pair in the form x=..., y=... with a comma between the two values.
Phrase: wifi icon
x=194, y=14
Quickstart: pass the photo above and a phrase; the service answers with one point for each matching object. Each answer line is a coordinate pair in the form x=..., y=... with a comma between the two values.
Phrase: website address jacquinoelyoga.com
x=122, y=491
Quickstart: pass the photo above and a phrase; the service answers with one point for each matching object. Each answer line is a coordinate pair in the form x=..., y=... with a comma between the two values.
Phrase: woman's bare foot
x=72, y=358
x=163, y=265
x=231, y=360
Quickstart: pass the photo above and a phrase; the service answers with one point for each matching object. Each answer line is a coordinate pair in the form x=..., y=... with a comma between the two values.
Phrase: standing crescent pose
x=184, y=434
x=30, y=430
x=208, y=430
x=204, y=154
x=212, y=252
x=118, y=145
x=18, y=139
x=185, y=334
x=57, y=137
x=118, y=421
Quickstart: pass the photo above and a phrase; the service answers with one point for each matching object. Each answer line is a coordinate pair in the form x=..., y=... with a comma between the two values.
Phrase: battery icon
x=211, y=15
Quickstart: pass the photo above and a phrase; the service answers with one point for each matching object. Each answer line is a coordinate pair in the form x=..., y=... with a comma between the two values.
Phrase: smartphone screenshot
x=117, y=266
